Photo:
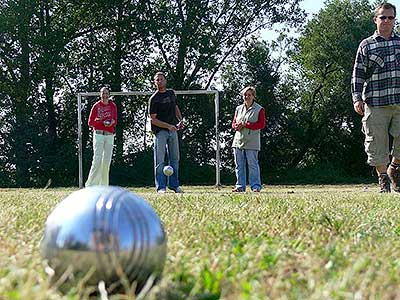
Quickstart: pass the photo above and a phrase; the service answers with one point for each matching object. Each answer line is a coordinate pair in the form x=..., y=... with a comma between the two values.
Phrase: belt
x=103, y=132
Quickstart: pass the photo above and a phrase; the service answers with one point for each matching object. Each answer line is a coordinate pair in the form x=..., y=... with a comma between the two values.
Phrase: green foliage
x=195, y=38
x=50, y=50
x=318, y=173
x=322, y=122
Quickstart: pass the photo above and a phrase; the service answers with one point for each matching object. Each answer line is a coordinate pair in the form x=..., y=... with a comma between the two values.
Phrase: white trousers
x=102, y=154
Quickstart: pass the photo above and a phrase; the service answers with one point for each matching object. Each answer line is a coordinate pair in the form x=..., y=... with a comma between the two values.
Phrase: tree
x=16, y=83
x=324, y=126
x=196, y=37
x=50, y=50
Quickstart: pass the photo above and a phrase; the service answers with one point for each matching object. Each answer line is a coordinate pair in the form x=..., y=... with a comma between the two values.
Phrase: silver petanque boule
x=105, y=233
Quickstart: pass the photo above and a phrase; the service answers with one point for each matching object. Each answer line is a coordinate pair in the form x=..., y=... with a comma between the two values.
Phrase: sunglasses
x=386, y=17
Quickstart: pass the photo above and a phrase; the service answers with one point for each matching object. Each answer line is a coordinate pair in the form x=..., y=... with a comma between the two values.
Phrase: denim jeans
x=166, y=141
x=102, y=154
x=251, y=156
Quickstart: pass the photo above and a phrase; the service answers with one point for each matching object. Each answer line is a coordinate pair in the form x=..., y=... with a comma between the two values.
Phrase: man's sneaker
x=178, y=190
x=384, y=183
x=394, y=175
x=161, y=191
x=256, y=190
x=237, y=190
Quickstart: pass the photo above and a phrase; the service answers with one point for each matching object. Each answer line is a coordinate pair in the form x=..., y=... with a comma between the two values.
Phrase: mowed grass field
x=288, y=242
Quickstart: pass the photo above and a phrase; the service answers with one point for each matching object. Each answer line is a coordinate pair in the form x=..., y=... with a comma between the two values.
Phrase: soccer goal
x=215, y=94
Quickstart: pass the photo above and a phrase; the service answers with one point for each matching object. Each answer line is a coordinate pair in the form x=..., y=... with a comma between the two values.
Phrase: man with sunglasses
x=376, y=96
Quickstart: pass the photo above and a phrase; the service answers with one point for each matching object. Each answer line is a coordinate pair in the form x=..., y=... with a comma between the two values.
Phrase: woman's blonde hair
x=249, y=88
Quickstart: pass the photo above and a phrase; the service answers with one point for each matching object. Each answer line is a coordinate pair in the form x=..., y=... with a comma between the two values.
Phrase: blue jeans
x=166, y=141
x=251, y=156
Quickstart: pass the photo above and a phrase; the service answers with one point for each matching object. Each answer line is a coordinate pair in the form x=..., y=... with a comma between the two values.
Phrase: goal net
x=133, y=130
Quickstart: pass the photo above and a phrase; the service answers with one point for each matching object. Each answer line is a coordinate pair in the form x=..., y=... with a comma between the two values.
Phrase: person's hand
x=108, y=123
x=359, y=107
x=179, y=126
x=239, y=126
x=172, y=128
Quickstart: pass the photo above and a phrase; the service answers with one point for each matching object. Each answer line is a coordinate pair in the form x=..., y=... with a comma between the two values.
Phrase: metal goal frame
x=139, y=93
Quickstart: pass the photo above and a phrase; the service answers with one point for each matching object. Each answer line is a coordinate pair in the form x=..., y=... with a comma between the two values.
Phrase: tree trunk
x=116, y=87
x=51, y=114
x=21, y=138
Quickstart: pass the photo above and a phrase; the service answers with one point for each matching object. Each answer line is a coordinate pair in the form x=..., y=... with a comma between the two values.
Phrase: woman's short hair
x=252, y=89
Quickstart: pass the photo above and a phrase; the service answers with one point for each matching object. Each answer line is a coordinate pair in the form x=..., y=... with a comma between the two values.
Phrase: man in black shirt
x=166, y=120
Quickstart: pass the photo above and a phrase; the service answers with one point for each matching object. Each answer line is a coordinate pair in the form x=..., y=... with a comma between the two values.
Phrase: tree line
x=51, y=50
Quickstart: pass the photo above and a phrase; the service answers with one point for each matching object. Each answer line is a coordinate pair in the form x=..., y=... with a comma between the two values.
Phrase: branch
x=220, y=64
x=238, y=40
x=194, y=73
x=181, y=13
x=86, y=31
x=69, y=85
x=10, y=69
x=72, y=34
x=158, y=39
x=225, y=26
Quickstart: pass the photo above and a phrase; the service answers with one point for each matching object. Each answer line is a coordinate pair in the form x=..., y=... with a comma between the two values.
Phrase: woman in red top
x=248, y=121
x=103, y=119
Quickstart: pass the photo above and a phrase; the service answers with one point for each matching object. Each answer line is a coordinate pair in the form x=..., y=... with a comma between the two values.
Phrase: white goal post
x=138, y=93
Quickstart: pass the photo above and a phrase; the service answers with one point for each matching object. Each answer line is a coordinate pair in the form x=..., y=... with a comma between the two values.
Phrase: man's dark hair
x=385, y=5
x=161, y=74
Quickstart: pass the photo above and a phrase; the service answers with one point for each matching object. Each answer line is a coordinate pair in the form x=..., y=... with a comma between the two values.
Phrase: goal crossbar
x=139, y=93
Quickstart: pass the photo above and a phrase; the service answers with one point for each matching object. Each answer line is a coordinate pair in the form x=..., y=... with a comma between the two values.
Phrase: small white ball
x=168, y=170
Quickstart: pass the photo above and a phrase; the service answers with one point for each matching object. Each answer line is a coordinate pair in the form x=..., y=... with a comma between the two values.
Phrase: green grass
x=288, y=242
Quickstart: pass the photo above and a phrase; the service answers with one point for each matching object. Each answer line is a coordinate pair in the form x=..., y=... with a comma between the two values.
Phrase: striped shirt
x=376, y=73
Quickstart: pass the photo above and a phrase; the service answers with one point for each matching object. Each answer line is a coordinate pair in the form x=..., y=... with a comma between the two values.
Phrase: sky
x=312, y=7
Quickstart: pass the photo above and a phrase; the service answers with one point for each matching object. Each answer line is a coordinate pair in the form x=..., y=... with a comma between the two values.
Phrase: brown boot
x=384, y=183
x=394, y=175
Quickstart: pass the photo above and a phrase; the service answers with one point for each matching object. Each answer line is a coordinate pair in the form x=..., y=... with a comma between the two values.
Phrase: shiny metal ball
x=168, y=170
x=103, y=233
